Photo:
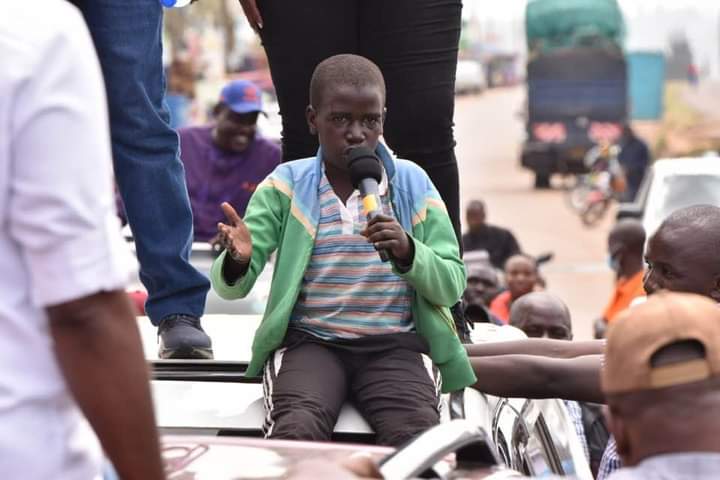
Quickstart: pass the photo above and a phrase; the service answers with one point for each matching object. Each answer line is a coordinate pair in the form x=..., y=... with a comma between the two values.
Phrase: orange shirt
x=626, y=290
x=500, y=306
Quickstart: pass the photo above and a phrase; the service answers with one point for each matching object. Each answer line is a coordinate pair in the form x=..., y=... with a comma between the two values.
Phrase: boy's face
x=679, y=260
x=521, y=276
x=348, y=117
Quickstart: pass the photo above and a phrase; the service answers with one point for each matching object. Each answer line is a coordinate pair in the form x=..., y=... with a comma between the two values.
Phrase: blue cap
x=242, y=96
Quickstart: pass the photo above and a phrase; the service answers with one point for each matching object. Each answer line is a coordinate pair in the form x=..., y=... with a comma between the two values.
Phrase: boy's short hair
x=344, y=69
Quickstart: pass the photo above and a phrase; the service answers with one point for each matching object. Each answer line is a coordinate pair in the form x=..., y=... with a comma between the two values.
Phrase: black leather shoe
x=181, y=336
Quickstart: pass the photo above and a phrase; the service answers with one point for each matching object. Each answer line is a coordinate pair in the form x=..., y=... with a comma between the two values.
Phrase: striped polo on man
x=347, y=291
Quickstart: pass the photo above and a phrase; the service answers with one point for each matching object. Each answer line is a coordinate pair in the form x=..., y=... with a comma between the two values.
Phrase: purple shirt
x=214, y=176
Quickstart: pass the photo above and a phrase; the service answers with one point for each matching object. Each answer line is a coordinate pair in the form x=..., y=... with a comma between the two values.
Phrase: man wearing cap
x=661, y=379
x=226, y=160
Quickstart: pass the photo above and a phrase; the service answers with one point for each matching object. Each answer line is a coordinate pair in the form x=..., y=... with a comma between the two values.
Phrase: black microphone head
x=363, y=163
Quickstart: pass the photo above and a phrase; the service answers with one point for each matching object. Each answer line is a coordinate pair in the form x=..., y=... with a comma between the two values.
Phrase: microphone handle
x=384, y=254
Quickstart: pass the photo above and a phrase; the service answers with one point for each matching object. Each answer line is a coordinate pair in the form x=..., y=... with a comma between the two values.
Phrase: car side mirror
x=469, y=441
x=629, y=210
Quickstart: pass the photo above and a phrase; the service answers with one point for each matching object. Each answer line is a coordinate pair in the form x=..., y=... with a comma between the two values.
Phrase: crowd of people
x=368, y=284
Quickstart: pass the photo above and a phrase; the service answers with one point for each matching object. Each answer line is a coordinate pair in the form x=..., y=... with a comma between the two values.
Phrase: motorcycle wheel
x=577, y=197
x=594, y=212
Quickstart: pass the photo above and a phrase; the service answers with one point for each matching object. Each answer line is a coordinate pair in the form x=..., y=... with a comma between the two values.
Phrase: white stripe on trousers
x=271, y=370
x=435, y=377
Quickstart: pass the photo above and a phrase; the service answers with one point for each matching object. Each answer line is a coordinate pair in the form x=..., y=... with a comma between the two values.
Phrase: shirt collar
x=382, y=187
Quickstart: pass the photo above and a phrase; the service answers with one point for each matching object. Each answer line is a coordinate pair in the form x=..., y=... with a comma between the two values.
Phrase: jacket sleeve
x=437, y=272
x=264, y=218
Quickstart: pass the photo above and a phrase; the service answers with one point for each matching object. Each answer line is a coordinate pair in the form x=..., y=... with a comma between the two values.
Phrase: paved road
x=489, y=133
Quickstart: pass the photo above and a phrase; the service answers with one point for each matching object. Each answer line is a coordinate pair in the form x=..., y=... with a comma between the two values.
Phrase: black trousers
x=387, y=377
x=415, y=44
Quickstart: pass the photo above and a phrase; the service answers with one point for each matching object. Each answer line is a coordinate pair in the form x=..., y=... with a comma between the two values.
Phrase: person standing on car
x=70, y=350
x=226, y=160
x=340, y=323
x=634, y=158
x=414, y=42
x=500, y=243
x=149, y=174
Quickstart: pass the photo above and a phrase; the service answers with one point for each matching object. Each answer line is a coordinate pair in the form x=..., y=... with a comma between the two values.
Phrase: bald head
x=682, y=256
x=698, y=218
x=541, y=314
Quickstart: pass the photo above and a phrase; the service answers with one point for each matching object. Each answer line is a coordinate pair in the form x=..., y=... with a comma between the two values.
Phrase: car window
x=537, y=450
x=678, y=191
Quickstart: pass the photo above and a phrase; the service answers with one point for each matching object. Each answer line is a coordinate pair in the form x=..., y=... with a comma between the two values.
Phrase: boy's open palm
x=234, y=236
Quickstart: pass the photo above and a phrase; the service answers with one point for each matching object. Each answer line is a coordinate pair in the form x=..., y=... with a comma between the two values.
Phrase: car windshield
x=679, y=191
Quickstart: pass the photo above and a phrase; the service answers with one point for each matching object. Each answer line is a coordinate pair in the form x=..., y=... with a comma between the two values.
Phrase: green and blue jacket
x=283, y=215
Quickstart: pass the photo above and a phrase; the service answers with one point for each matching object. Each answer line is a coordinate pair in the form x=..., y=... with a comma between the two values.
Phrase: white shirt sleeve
x=61, y=209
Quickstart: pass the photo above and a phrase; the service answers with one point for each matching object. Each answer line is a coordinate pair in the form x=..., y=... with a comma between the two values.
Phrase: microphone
x=366, y=175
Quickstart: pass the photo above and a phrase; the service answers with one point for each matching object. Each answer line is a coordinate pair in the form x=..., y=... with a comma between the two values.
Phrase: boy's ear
x=311, y=116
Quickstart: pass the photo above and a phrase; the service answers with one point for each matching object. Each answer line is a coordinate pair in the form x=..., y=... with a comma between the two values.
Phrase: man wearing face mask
x=625, y=249
x=226, y=160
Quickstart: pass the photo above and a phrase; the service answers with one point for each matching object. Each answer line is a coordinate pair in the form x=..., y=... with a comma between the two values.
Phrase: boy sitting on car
x=341, y=324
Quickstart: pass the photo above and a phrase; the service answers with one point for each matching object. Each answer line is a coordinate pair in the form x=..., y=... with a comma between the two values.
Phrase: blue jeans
x=150, y=176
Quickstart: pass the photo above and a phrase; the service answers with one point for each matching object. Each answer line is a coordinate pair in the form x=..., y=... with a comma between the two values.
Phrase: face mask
x=613, y=263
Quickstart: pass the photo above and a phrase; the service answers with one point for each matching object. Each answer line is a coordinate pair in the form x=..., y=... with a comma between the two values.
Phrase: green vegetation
x=679, y=115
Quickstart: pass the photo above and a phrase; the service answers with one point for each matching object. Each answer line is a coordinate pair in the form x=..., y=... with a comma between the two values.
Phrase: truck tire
x=542, y=180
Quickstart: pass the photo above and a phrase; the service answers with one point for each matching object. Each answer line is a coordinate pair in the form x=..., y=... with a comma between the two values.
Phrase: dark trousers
x=415, y=44
x=393, y=385
x=151, y=179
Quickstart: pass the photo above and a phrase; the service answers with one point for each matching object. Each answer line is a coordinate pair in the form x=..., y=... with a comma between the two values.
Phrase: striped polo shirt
x=347, y=291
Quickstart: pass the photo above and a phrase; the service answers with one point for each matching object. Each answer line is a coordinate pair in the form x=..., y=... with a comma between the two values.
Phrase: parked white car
x=469, y=77
x=671, y=184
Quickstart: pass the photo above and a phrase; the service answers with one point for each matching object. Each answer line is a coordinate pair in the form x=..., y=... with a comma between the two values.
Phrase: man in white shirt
x=68, y=337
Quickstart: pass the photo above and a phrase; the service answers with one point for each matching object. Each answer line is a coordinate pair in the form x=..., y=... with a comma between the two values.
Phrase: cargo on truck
x=576, y=77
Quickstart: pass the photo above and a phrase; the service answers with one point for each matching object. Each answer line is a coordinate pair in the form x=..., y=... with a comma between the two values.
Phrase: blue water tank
x=646, y=81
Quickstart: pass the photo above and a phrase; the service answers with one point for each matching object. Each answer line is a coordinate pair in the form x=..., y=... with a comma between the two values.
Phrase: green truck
x=576, y=83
